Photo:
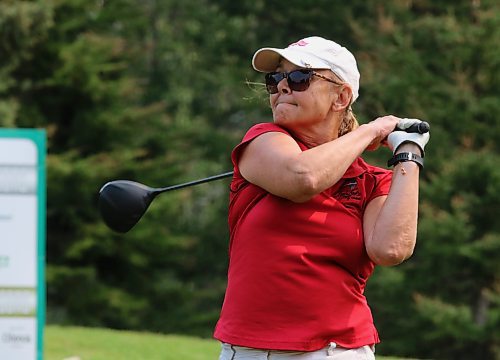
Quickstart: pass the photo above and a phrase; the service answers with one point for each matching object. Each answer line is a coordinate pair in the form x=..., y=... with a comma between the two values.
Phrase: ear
x=343, y=98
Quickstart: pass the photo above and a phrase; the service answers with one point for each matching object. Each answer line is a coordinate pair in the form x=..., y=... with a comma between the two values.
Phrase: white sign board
x=22, y=243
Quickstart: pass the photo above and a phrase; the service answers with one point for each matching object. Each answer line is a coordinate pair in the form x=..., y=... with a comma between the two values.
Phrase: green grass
x=103, y=344
x=77, y=343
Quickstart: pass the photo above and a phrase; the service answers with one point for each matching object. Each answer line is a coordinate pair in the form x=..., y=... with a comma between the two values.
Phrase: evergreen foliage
x=160, y=91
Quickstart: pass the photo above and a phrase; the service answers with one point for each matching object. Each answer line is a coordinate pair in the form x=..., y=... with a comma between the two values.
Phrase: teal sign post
x=22, y=243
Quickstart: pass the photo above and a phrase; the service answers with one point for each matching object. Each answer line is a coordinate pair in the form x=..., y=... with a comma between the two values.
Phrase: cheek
x=311, y=103
x=272, y=100
x=319, y=102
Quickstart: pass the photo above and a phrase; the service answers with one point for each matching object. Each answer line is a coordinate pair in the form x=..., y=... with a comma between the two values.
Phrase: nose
x=283, y=87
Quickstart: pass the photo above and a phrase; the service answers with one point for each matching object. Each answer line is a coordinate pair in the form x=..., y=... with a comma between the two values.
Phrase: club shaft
x=195, y=182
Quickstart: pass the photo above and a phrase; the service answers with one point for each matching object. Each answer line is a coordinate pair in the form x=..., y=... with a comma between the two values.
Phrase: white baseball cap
x=312, y=52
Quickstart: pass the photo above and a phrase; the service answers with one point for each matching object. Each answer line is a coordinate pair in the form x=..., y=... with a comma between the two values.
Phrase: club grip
x=421, y=128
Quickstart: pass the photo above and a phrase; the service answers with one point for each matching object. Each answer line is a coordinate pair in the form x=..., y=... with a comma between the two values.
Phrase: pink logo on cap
x=299, y=43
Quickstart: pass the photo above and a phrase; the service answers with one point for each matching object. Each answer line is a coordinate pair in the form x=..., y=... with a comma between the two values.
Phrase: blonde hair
x=349, y=122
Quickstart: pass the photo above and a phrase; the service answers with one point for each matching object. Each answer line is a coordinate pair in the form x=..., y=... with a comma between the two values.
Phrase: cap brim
x=268, y=59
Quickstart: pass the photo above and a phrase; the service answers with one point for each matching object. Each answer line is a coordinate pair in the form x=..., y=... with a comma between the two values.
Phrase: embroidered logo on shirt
x=348, y=191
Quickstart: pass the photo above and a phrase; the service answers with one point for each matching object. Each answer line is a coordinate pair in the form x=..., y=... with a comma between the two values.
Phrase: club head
x=122, y=203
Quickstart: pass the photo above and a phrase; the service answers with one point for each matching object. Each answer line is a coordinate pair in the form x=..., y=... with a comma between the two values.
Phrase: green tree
x=436, y=62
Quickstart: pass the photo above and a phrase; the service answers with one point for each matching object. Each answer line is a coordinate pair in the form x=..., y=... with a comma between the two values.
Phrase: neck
x=318, y=133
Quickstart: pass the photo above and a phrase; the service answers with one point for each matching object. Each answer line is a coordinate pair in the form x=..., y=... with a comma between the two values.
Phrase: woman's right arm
x=275, y=162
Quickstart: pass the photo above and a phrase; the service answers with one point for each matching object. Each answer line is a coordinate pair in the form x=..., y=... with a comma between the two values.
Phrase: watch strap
x=406, y=156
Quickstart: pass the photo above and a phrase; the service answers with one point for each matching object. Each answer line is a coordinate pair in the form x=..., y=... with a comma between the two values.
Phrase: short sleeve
x=251, y=134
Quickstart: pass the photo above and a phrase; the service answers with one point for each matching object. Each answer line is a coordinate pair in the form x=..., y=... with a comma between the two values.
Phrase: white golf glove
x=397, y=138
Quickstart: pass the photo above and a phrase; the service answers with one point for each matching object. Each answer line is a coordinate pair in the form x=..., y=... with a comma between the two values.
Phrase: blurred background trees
x=159, y=91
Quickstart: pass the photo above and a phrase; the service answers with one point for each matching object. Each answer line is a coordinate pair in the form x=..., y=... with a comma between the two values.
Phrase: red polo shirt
x=297, y=272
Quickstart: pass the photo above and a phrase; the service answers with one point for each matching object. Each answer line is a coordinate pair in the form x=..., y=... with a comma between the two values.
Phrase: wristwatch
x=406, y=156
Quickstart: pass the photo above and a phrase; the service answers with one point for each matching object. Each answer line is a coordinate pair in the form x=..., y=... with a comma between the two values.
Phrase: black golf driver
x=122, y=202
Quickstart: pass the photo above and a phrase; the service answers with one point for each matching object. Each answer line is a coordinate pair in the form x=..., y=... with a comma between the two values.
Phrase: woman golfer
x=309, y=219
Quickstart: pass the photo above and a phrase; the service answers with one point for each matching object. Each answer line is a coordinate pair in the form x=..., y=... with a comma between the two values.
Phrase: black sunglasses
x=298, y=80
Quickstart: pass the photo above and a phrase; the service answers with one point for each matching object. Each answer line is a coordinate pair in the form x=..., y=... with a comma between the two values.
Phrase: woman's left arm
x=390, y=222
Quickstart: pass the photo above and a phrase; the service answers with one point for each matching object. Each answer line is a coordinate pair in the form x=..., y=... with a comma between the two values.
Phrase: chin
x=281, y=117
x=282, y=121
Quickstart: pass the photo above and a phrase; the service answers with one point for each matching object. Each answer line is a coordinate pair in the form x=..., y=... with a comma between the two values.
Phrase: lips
x=284, y=101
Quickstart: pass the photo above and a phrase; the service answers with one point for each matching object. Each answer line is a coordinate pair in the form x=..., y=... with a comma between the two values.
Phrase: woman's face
x=301, y=109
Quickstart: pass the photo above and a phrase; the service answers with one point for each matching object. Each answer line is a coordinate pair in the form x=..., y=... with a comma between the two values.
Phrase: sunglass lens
x=272, y=80
x=299, y=80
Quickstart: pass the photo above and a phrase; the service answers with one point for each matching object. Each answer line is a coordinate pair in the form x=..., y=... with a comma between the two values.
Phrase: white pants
x=331, y=352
